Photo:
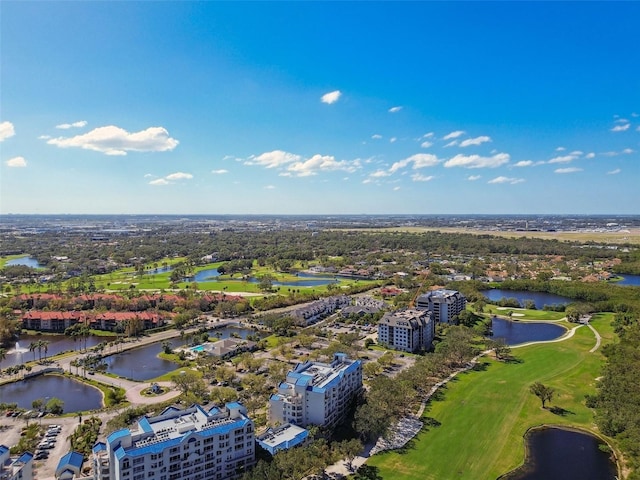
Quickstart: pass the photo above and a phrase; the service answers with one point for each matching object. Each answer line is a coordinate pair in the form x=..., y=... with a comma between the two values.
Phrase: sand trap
x=509, y=308
x=517, y=314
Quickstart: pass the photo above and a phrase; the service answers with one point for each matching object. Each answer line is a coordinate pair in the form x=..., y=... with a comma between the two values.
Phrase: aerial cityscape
x=319, y=240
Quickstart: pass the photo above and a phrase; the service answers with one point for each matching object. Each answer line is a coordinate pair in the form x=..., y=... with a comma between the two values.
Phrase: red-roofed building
x=109, y=320
x=52, y=321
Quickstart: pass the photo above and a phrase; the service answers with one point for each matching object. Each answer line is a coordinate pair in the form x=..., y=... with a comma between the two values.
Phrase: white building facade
x=20, y=468
x=445, y=304
x=317, y=393
x=407, y=330
x=190, y=444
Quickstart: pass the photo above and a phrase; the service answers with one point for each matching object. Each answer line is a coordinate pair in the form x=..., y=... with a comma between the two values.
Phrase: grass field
x=484, y=414
x=523, y=314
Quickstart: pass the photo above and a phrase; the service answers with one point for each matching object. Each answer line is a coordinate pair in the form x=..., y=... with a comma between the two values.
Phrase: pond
x=629, y=280
x=233, y=331
x=558, y=454
x=139, y=363
x=57, y=344
x=515, y=333
x=26, y=261
x=76, y=396
x=540, y=298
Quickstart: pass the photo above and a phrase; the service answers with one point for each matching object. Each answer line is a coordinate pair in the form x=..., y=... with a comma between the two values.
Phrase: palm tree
x=46, y=348
x=32, y=348
x=3, y=354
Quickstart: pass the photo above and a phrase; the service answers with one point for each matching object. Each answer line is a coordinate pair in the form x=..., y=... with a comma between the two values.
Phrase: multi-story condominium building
x=320, y=309
x=408, y=330
x=445, y=304
x=317, y=393
x=20, y=468
x=189, y=444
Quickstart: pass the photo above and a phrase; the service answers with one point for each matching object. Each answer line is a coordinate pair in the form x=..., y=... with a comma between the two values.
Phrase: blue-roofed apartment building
x=189, y=444
x=283, y=437
x=20, y=468
x=70, y=466
x=317, y=393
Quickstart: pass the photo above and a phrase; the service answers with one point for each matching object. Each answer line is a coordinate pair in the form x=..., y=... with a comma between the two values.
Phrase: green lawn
x=523, y=314
x=484, y=414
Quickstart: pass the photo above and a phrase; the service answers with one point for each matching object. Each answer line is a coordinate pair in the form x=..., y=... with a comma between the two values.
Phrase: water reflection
x=514, y=333
x=139, y=363
x=558, y=454
x=76, y=396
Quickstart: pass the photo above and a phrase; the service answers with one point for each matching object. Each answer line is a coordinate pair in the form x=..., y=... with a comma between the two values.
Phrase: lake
x=629, y=280
x=76, y=396
x=229, y=331
x=57, y=344
x=540, y=298
x=558, y=454
x=139, y=363
x=26, y=261
x=514, y=332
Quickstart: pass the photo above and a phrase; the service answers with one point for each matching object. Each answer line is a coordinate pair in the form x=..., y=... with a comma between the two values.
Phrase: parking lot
x=44, y=468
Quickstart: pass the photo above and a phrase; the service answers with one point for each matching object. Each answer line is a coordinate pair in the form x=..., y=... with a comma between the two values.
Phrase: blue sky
x=319, y=108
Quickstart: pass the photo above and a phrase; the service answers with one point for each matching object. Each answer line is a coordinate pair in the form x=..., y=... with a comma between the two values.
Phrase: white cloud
x=319, y=163
x=66, y=126
x=568, y=170
x=179, y=176
x=270, y=187
x=577, y=153
x=501, y=179
x=169, y=179
x=523, y=163
x=473, y=178
x=427, y=135
x=590, y=155
x=563, y=159
x=273, y=159
x=419, y=160
x=560, y=149
x=621, y=128
x=476, y=161
x=614, y=172
x=453, y=143
x=379, y=174
x=454, y=134
x=626, y=151
x=638, y=129
x=331, y=97
x=395, y=109
x=634, y=115
x=149, y=175
x=6, y=131
x=416, y=177
x=621, y=120
x=395, y=189
x=393, y=139
x=16, y=162
x=44, y=137
x=475, y=141
x=222, y=171
x=376, y=136
x=112, y=140
x=426, y=144
x=159, y=181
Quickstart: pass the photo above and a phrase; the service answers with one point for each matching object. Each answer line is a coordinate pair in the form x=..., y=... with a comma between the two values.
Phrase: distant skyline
x=319, y=107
